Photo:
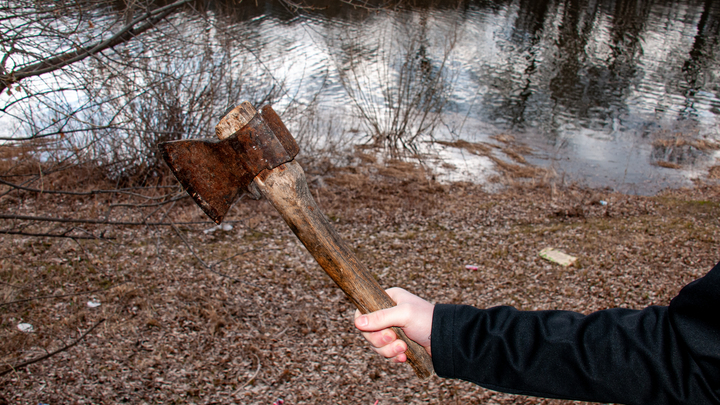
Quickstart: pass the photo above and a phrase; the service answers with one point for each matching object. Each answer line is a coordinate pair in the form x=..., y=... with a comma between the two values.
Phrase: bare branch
x=45, y=297
x=80, y=193
x=52, y=235
x=125, y=34
x=103, y=222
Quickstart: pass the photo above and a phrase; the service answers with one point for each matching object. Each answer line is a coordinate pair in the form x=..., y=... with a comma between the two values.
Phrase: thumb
x=381, y=319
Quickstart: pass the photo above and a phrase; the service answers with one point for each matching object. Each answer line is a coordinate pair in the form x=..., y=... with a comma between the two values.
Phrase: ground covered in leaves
x=196, y=314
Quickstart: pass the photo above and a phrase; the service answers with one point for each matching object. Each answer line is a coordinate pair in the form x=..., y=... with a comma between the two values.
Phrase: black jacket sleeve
x=658, y=355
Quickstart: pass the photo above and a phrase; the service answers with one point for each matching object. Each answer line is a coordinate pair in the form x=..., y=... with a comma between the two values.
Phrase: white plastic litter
x=556, y=256
x=93, y=304
x=26, y=327
x=471, y=267
x=221, y=227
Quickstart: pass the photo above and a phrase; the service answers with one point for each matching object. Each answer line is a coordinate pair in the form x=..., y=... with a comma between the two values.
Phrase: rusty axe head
x=216, y=172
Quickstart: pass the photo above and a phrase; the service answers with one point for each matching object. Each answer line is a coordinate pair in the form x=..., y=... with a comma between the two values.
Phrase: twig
x=52, y=235
x=251, y=378
x=208, y=266
x=103, y=221
x=187, y=244
x=83, y=193
x=2, y=304
x=364, y=5
x=41, y=358
x=295, y=7
x=172, y=200
x=125, y=34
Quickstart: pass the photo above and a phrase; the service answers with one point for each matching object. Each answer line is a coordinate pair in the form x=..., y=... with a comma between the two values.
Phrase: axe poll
x=255, y=153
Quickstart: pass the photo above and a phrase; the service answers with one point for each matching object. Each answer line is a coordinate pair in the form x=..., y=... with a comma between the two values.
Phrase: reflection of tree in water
x=529, y=24
x=614, y=82
x=697, y=72
x=595, y=90
x=580, y=61
x=570, y=82
x=555, y=71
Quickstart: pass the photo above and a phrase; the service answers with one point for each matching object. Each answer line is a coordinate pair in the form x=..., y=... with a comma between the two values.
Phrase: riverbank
x=198, y=314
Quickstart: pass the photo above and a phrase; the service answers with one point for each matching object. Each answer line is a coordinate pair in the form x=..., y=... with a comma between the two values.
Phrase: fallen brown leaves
x=178, y=332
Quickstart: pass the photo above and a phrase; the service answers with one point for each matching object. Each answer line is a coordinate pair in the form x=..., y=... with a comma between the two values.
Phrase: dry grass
x=177, y=332
x=674, y=150
x=477, y=148
x=714, y=173
x=503, y=156
x=668, y=165
x=680, y=140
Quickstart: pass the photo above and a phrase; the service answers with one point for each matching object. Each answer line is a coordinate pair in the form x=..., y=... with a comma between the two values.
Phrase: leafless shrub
x=170, y=97
x=109, y=102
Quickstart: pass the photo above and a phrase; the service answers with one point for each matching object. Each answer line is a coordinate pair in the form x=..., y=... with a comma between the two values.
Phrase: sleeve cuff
x=442, y=339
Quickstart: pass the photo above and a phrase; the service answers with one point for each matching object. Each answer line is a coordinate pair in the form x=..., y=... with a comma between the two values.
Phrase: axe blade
x=209, y=171
x=215, y=173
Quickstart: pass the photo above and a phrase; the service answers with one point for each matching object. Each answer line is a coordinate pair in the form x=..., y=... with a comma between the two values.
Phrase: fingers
x=412, y=313
x=386, y=343
x=382, y=319
x=394, y=349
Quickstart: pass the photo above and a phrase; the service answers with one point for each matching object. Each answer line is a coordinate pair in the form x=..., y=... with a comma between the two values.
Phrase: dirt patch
x=245, y=315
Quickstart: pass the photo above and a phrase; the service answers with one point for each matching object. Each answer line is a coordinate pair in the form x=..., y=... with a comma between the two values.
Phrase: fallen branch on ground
x=47, y=356
x=2, y=304
x=103, y=221
x=52, y=235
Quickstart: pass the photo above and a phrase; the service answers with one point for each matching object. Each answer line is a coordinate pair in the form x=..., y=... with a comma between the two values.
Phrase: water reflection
x=593, y=86
x=590, y=84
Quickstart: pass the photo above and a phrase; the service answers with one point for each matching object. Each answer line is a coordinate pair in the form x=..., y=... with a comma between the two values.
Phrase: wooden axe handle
x=286, y=188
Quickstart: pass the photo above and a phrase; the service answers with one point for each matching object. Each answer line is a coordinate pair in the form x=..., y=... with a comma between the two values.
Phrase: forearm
x=617, y=355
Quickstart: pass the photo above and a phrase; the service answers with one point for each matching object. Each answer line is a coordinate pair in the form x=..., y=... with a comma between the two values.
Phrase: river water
x=620, y=94
x=615, y=94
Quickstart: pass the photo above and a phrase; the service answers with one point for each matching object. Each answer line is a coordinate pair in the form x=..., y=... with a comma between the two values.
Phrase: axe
x=254, y=154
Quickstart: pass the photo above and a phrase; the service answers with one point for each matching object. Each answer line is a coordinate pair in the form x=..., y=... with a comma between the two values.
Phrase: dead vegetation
x=508, y=157
x=246, y=316
x=674, y=150
x=714, y=173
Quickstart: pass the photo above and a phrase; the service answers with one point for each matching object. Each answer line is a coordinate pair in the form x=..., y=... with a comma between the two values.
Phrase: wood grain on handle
x=286, y=188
